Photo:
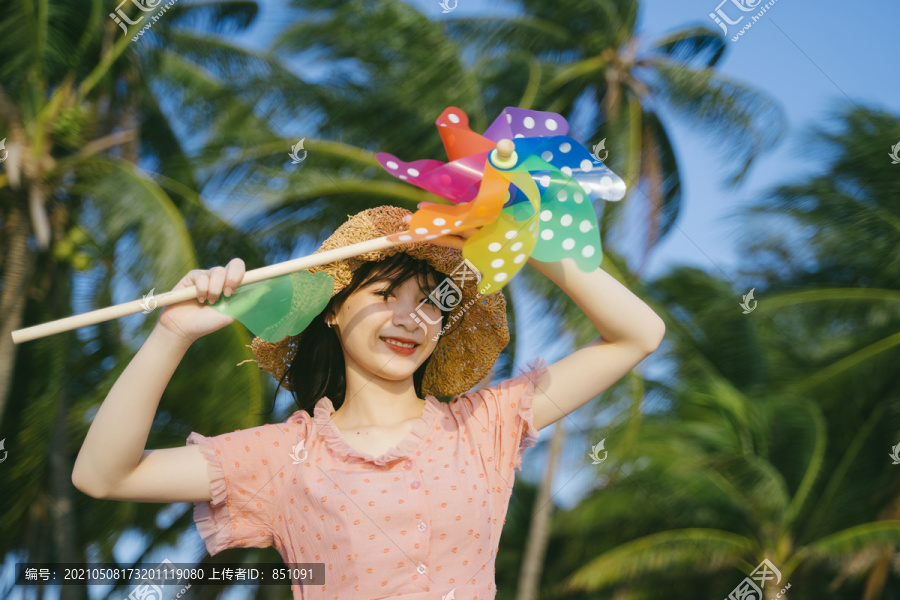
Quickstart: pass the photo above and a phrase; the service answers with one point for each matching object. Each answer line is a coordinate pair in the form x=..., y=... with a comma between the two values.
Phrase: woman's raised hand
x=190, y=320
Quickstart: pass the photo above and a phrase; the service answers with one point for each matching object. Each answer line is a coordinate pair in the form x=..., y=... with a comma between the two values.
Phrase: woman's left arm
x=630, y=332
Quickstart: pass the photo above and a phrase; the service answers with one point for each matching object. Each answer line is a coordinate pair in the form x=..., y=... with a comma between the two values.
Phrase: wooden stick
x=135, y=306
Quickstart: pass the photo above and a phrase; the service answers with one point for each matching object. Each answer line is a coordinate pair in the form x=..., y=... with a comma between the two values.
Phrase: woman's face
x=373, y=323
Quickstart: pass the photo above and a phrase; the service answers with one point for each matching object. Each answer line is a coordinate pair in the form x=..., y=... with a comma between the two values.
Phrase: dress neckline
x=404, y=449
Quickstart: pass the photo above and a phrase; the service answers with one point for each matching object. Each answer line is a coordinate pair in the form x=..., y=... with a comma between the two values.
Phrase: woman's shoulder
x=528, y=376
x=296, y=423
x=299, y=418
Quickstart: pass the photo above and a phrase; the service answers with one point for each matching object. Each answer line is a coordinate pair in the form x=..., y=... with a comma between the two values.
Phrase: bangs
x=397, y=270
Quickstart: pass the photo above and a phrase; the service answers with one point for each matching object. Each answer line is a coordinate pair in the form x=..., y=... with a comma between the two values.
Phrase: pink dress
x=415, y=523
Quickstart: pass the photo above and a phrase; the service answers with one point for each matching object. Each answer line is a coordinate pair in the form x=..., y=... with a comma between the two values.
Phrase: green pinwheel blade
x=279, y=307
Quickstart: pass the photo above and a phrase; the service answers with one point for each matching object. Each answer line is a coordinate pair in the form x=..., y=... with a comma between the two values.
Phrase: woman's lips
x=402, y=350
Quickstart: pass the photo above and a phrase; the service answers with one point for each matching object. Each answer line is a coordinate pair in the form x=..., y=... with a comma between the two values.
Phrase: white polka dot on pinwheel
x=565, y=147
x=439, y=221
x=453, y=117
x=413, y=172
x=561, y=195
x=421, y=230
x=586, y=165
x=587, y=251
x=545, y=181
x=515, y=247
x=551, y=124
x=547, y=234
x=546, y=215
x=494, y=246
x=510, y=234
x=566, y=220
x=585, y=226
x=528, y=122
x=501, y=276
x=497, y=263
x=392, y=165
x=519, y=258
x=605, y=185
x=568, y=244
x=547, y=155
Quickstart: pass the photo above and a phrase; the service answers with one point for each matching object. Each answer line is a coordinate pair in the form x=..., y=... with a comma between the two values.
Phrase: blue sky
x=807, y=57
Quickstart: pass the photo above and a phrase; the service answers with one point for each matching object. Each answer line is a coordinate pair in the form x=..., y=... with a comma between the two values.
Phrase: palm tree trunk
x=18, y=265
x=539, y=533
x=62, y=514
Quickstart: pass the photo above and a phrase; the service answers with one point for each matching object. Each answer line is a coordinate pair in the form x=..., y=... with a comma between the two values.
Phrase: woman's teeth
x=399, y=343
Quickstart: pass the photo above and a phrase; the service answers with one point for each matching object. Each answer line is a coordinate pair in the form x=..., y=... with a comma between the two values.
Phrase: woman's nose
x=407, y=314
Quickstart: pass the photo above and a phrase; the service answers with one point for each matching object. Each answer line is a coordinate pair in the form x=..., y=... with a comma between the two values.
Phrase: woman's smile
x=403, y=348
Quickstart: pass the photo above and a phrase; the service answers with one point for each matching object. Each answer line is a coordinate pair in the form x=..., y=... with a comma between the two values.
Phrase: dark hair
x=317, y=368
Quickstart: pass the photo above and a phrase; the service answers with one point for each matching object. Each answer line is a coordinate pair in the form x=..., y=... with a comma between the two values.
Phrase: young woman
x=396, y=493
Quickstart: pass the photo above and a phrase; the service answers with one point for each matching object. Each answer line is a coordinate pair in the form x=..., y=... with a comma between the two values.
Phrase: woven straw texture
x=464, y=354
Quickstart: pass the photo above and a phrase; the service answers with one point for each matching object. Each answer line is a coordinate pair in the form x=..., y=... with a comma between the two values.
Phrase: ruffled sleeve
x=246, y=470
x=501, y=418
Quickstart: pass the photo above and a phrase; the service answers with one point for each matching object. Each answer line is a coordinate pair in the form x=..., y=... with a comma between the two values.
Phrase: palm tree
x=67, y=100
x=588, y=60
x=83, y=106
x=775, y=436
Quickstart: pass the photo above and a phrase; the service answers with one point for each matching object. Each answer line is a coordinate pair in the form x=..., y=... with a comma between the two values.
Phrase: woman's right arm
x=112, y=463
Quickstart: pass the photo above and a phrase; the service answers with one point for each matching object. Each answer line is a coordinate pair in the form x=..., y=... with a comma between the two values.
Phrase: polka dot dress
x=417, y=522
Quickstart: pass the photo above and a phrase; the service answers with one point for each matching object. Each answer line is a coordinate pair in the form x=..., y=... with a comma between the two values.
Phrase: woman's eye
x=385, y=294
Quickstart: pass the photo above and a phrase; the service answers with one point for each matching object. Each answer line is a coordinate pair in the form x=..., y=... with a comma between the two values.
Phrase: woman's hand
x=452, y=240
x=190, y=320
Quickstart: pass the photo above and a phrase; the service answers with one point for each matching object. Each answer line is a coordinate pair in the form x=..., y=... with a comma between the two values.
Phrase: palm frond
x=693, y=46
x=741, y=120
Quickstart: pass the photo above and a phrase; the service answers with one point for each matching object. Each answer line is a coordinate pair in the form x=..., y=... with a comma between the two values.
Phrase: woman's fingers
x=235, y=273
x=216, y=283
x=201, y=282
x=451, y=241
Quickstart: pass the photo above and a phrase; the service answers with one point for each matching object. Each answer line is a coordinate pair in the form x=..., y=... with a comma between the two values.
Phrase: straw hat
x=465, y=352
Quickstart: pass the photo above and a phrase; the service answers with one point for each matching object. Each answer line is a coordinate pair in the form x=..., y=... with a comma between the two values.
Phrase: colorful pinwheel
x=537, y=202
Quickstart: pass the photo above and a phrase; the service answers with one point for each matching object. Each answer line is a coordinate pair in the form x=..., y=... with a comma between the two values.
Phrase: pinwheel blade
x=537, y=202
